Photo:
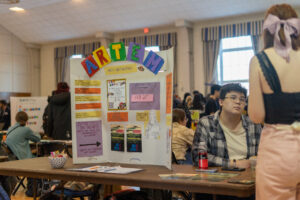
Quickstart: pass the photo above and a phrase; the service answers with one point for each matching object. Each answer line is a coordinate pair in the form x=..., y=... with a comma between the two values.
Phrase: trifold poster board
x=123, y=112
x=33, y=106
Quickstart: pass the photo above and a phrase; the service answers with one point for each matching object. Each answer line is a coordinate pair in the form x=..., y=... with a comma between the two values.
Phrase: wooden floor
x=20, y=195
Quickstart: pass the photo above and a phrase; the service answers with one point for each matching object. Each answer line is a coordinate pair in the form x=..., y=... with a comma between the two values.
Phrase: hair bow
x=290, y=27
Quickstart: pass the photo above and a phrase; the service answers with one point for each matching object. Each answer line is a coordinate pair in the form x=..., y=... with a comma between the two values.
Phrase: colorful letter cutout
x=117, y=51
x=90, y=65
x=101, y=56
x=153, y=62
x=136, y=52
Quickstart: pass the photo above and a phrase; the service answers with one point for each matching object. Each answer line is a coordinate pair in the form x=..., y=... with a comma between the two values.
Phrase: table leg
x=34, y=188
x=214, y=197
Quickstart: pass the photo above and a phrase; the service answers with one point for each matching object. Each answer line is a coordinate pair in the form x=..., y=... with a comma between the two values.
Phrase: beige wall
x=19, y=65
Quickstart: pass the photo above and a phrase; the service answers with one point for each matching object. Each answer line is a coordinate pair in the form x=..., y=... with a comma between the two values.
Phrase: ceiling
x=45, y=21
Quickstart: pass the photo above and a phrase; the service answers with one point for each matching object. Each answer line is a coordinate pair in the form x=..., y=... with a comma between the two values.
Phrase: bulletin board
x=122, y=111
x=33, y=106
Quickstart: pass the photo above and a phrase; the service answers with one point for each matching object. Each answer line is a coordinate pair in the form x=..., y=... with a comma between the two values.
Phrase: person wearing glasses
x=230, y=137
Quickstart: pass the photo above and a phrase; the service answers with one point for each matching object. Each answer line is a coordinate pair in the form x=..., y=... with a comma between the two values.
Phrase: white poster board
x=123, y=113
x=33, y=106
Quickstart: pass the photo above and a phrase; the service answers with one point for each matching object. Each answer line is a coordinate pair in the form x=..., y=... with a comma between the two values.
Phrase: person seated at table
x=18, y=137
x=182, y=138
x=228, y=135
x=212, y=102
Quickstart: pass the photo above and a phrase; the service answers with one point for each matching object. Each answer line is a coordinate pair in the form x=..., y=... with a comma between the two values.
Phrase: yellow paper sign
x=88, y=114
x=169, y=120
x=87, y=98
x=142, y=116
x=158, y=116
x=195, y=115
x=87, y=82
x=121, y=69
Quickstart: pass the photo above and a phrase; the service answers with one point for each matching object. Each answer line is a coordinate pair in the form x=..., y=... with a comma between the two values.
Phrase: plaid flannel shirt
x=210, y=131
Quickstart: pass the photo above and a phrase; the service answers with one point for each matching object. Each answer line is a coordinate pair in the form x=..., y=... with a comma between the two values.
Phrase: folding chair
x=12, y=157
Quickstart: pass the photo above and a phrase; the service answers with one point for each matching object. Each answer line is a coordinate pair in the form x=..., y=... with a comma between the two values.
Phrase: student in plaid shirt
x=228, y=134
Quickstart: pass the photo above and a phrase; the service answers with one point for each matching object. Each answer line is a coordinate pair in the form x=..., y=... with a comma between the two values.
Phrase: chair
x=13, y=157
x=185, y=195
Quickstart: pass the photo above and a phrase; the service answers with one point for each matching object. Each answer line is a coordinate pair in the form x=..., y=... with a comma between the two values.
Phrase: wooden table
x=3, y=158
x=44, y=147
x=148, y=178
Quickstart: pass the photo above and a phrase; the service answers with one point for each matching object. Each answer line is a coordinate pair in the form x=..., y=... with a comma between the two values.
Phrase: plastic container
x=203, y=160
x=57, y=162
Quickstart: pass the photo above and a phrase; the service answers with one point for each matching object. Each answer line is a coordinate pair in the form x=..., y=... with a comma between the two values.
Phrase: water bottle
x=203, y=161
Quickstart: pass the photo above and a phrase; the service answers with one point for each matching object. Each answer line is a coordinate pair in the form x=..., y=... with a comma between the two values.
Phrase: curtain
x=62, y=58
x=256, y=43
x=164, y=41
x=210, y=56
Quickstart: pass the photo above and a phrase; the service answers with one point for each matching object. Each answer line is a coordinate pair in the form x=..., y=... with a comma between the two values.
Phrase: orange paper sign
x=169, y=93
x=88, y=106
x=117, y=117
x=87, y=90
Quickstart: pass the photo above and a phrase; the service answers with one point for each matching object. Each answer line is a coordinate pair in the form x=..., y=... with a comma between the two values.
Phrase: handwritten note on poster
x=87, y=90
x=142, y=116
x=89, y=138
x=134, y=138
x=123, y=69
x=116, y=94
x=87, y=98
x=88, y=106
x=88, y=114
x=142, y=98
x=169, y=86
x=87, y=82
x=117, y=117
x=147, y=90
x=117, y=137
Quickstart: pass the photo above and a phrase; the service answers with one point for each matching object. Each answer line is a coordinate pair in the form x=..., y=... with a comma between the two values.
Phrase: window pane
x=152, y=48
x=246, y=85
x=236, y=42
x=236, y=65
x=76, y=56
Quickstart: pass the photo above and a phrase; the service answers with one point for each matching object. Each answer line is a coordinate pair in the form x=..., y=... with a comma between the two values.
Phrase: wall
x=17, y=61
x=48, y=73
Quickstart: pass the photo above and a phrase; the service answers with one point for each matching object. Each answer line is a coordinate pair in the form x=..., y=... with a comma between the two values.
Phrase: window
x=152, y=48
x=76, y=56
x=234, y=59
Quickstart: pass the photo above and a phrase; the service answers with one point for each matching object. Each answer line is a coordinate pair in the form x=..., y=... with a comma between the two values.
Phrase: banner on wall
x=121, y=106
x=33, y=106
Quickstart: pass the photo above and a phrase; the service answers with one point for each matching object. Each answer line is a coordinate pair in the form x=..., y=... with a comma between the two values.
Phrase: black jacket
x=59, y=117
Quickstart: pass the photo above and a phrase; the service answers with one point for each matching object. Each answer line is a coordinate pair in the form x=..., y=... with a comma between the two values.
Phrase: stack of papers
x=107, y=169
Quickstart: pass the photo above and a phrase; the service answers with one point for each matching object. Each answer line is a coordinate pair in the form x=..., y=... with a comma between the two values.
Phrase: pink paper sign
x=142, y=98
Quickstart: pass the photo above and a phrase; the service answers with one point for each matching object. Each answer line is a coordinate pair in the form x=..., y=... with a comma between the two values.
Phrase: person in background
x=182, y=138
x=5, y=114
x=196, y=92
x=275, y=101
x=18, y=137
x=212, y=103
x=228, y=134
x=186, y=106
x=59, y=113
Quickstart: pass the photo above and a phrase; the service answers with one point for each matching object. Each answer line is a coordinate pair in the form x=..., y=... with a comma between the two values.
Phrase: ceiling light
x=16, y=9
x=9, y=1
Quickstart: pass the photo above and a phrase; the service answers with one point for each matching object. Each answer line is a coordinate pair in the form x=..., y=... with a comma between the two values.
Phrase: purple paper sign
x=136, y=52
x=89, y=138
x=145, y=88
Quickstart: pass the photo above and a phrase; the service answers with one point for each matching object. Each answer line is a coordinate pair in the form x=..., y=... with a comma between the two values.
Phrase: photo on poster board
x=117, y=137
x=134, y=138
x=116, y=94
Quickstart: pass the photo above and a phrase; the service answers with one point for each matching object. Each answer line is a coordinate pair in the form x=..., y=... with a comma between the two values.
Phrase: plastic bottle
x=203, y=161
